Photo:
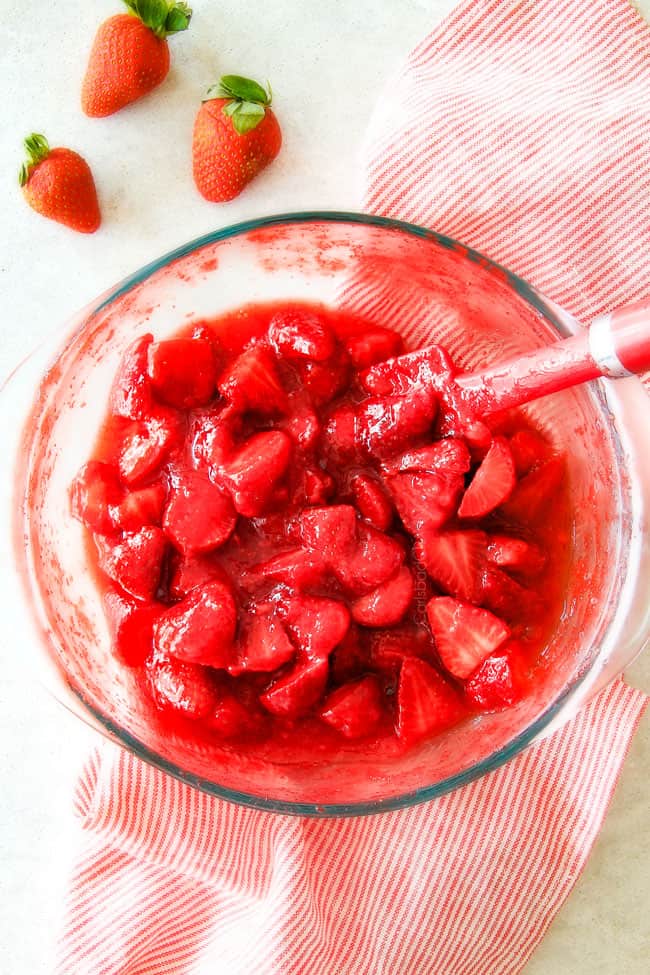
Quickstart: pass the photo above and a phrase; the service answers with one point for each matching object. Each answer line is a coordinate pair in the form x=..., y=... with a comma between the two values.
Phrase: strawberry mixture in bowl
x=269, y=552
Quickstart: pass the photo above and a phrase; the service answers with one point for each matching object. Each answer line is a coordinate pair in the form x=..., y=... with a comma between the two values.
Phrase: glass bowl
x=429, y=287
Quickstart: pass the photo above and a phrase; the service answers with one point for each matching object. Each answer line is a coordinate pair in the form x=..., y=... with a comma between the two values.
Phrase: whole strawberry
x=235, y=136
x=58, y=184
x=130, y=54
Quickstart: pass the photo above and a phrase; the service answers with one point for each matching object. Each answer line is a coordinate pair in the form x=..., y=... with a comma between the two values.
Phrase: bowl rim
x=552, y=315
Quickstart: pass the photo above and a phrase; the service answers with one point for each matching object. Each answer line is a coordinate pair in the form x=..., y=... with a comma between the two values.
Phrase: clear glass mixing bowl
x=429, y=287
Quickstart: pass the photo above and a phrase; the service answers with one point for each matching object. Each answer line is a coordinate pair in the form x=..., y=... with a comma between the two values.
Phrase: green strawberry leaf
x=244, y=89
x=163, y=17
x=178, y=18
x=247, y=116
x=37, y=149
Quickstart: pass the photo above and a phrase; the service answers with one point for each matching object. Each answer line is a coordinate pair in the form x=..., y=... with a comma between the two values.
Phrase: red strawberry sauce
x=300, y=540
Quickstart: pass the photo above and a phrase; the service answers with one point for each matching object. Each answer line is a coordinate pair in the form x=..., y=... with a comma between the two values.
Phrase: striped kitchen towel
x=521, y=128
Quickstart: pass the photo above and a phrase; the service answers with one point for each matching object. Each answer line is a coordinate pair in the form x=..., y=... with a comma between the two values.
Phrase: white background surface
x=327, y=60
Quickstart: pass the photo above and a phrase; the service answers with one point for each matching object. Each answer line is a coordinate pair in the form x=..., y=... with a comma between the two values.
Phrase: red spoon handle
x=623, y=337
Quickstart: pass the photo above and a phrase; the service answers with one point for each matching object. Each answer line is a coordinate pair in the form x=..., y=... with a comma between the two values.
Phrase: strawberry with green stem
x=58, y=184
x=236, y=135
x=130, y=54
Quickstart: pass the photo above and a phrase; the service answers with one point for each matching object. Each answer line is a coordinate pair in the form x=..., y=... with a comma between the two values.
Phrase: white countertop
x=326, y=62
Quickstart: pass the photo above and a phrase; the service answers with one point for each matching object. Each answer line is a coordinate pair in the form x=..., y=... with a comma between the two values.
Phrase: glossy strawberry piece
x=265, y=646
x=301, y=335
x=183, y=372
x=426, y=703
x=134, y=562
x=454, y=560
x=350, y=659
x=355, y=709
x=388, y=649
x=493, y=482
x=143, y=506
x=370, y=344
x=193, y=570
x=465, y=635
x=375, y=559
x=317, y=624
x=500, y=681
x=252, y=383
x=94, y=494
x=430, y=366
x=130, y=395
x=425, y=501
x=146, y=445
x=131, y=627
x=199, y=515
x=302, y=422
x=330, y=531
x=340, y=436
x=372, y=502
x=388, y=603
x=449, y=456
x=316, y=486
x=295, y=694
x=388, y=423
x=254, y=472
x=184, y=687
x=529, y=450
x=535, y=492
x=297, y=567
x=516, y=555
x=200, y=629
x=212, y=437
x=323, y=381
x=505, y=596
x=232, y=718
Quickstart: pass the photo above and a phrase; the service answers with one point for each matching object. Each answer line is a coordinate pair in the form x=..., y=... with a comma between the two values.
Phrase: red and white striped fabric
x=517, y=127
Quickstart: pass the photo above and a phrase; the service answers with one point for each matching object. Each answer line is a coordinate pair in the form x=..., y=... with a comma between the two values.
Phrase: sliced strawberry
x=130, y=395
x=231, y=718
x=324, y=380
x=330, y=531
x=507, y=597
x=298, y=567
x=465, y=635
x=212, y=437
x=430, y=366
x=529, y=450
x=265, y=646
x=516, y=554
x=181, y=686
x=131, y=627
x=368, y=344
x=389, y=423
x=372, y=502
x=94, y=494
x=354, y=709
x=194, y=570
x=317, y=624
x=294, y=694
x=134, y=562
x=350, y=658
x=199, y=515
x=448, y=456
x=141, y=507
x=500, y=681
x=254, y=472
x=340, y=436
x=375, y=559
x=454, y=560
x=252, y=383
x=493, y=482
x=201, y=627
x=301, y=334
x=388, y=603
x=390, y=648
x=425, y=501
x=426, y=703
x=535, y=492
x=302, y=423
x=146, y=444
x=183, y=372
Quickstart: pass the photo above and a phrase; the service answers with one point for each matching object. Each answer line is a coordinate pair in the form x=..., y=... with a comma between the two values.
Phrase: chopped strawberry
x=425, y=501
x=390, y=648
x=301, y=334
x=183, y=372
x=201, y=627
x=372, y=502
x=388, y=603
x=535, y=492
x=354, y=709
x=130, y=395
x=340, y=435
x=94, y=494
x=212, y=438
x=181, y=686
x=330, y=531
x=426, y=703
x=388, y=423
x=529, y=450
x=370, y=344
x=454, y=560
x=465, y=635
x=317, y=624
x=302, y=423
x=500, y=680
x=192, y=493
x=194, y=570
x=146, y=444
x=252, y=383
x=430, y=367
x=493, y=482
x=449, y=456
x=135, y=561
x=315, y=487
x=294, y=694
x=141, y=507
x=231, y=718
x=324, y=380
x=376, y=558
x=350, y=658
x=516, y=555
x=254, y=472
x=131, y=627
x=264, y=647
x=300, y=568
x=505, y=596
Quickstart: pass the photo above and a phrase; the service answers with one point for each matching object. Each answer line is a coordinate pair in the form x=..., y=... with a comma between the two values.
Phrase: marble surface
x=326, y=61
